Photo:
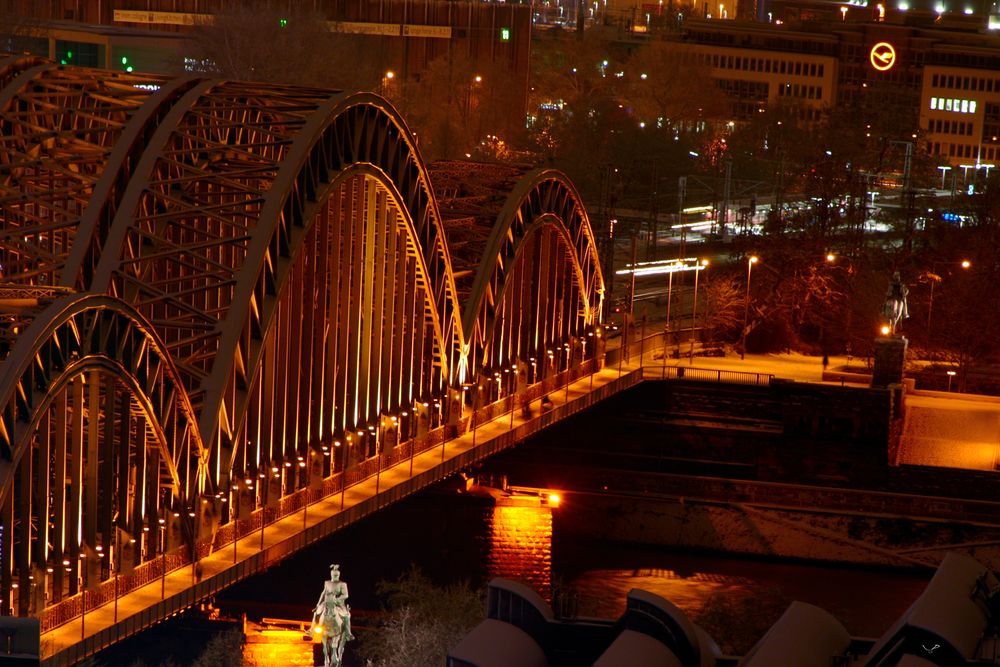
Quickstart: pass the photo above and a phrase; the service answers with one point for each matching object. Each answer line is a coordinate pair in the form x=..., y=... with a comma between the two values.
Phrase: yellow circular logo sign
x=882, y=56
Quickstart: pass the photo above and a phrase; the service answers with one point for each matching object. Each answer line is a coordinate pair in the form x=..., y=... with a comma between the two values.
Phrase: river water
x=453, y=537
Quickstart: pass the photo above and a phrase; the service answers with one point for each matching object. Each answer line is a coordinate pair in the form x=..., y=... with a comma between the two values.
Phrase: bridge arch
x=210, y=231
x=539, y=284
x=89, y=396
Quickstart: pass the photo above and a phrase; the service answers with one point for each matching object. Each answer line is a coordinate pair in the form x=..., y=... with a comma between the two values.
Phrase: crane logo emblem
x=883, y=56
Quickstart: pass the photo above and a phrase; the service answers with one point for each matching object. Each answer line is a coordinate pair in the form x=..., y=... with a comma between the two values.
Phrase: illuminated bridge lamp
x=554, y=499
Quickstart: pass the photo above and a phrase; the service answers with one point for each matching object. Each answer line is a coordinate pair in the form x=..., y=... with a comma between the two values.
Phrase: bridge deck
x=254, y=553
x=180, y=589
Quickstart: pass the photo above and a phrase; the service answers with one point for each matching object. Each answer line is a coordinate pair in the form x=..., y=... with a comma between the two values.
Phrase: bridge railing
x=705, y=374
x=157, y=568
x=73, y=606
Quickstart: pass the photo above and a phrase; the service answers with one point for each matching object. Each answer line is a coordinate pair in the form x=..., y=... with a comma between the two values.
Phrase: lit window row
x=950, y=104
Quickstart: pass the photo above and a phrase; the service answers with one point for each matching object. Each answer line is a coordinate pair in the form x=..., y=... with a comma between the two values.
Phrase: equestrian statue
x=894, y=309
x=332, y=619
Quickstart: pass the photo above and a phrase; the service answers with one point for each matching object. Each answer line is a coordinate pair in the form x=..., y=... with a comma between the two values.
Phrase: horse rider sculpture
x=894, y=309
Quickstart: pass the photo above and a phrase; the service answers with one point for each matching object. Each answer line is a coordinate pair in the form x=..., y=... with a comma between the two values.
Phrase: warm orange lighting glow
x=830, y=257
x=885, y=329
x=966, y=263
x=753, y=259
x=554, y=499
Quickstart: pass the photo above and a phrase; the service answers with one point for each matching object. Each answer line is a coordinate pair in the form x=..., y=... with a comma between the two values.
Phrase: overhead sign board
x=389, y=29
x=160, y=18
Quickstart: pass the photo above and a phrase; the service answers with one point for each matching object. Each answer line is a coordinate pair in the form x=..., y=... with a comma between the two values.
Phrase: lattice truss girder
x=361, y=268
x=540, y=280
x=186, y=220
x=58, y=127
x=470, y=197
x=352, y=135
x=95, y=436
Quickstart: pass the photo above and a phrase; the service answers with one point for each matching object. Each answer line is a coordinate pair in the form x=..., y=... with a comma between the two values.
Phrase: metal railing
x=706, y=375
x=159, y=567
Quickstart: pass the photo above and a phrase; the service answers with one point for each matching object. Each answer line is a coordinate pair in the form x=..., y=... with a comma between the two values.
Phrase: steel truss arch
x=359, y=320
x=96, y=435
x=12, y=65
x=216, y=209
x=58, y=127
x=350, y=133
x=542, y=199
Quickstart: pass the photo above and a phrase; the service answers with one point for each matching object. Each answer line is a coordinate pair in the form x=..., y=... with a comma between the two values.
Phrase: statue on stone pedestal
x=894, y=309
x=332, y=618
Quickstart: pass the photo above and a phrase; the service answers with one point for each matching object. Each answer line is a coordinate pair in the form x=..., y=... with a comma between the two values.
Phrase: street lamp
x=951, y=374
x=933, y=278
x=751, y=260
x=848, y=268
x=944, y=172
x=702, y=264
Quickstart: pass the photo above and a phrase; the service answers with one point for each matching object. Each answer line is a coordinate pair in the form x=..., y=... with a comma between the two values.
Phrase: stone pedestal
x=890, y=355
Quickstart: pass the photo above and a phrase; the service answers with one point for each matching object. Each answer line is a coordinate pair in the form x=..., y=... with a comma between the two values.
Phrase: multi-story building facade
x=942, y=87
x=758, y=67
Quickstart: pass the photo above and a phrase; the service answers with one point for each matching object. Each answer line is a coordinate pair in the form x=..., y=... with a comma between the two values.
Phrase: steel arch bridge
x=215, y=295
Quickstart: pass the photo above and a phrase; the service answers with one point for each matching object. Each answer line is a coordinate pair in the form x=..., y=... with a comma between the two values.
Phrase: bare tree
x=665, y=85
x=422, y=623
x=19, y=33
x=261, y=40
x=723, y=307
x=458, y=108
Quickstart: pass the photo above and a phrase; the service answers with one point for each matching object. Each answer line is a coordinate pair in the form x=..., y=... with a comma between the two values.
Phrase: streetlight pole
x=694, y=309
x=935, y=278
x=746, y=306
